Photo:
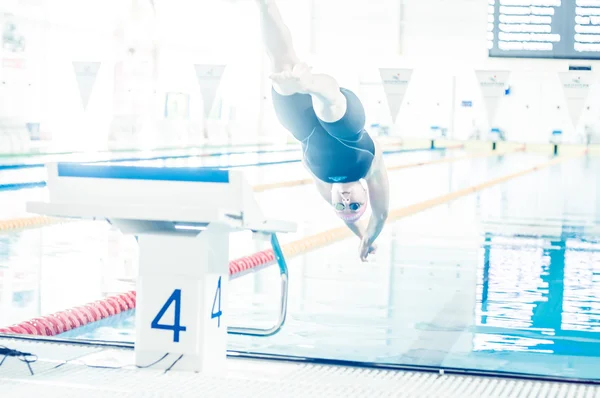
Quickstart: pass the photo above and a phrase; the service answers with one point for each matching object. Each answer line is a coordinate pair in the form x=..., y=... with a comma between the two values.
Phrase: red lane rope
x=63, y=321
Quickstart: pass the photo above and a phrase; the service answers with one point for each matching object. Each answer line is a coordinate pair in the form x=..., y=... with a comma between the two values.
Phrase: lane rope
x=63, y=321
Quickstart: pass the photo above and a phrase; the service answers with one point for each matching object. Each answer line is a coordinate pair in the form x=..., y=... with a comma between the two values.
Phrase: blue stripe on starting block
x=189, y=174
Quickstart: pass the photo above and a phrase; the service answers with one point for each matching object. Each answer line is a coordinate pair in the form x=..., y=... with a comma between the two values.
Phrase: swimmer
x=328, y=121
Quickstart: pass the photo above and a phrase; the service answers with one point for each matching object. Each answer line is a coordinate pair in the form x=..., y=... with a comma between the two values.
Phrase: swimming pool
x=505, y=280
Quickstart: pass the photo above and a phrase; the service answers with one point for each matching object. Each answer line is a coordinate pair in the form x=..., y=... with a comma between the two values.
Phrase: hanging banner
x=86, y=73
x=493, y=85
x=576, y=88
x=209, y=79
x=395, y=83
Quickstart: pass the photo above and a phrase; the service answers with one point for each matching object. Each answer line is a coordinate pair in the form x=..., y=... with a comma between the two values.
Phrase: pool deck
x=75, y=370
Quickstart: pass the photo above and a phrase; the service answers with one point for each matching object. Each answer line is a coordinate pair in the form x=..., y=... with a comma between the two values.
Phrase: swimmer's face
x=349, y=200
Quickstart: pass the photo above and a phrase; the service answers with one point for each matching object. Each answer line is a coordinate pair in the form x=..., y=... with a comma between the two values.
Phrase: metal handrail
x=283, y=271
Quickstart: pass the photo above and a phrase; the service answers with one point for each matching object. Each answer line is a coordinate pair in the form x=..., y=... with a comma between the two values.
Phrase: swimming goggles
x=353, y=206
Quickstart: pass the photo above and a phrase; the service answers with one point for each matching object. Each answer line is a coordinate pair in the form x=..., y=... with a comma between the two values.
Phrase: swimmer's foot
x=296, y=80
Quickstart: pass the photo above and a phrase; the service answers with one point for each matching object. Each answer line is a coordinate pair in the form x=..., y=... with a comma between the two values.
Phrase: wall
x=443, y=41
x=53, y=40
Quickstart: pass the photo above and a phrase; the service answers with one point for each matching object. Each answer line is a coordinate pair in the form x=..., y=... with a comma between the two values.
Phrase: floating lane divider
x=178, y=153
x=63, y=321
x=18, y=166
x=39, y=221
x=15, y=224
x=327, y=237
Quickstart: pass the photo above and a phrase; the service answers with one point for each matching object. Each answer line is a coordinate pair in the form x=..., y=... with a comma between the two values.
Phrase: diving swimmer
x=328, y=121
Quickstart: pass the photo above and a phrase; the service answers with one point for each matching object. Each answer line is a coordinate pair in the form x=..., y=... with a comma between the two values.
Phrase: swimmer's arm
x=379, y=196
x=325, y=190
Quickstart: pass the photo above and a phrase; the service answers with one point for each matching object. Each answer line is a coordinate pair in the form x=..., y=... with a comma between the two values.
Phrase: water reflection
x=539, y=295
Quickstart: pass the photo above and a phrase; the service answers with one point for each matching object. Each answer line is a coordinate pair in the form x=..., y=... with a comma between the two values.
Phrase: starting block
x=182, y=218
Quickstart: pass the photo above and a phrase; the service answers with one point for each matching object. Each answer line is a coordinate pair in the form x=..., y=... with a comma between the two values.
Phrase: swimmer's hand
x=296, y=80
x=366, y=248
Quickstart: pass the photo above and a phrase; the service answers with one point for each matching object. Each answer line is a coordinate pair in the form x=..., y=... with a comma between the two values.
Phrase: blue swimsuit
x=335, y=152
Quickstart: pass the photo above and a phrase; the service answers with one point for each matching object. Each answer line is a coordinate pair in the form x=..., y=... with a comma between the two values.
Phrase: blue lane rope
x=17, y=166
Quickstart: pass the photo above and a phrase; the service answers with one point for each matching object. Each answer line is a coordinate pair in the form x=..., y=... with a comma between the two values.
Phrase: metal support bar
x=283, y=271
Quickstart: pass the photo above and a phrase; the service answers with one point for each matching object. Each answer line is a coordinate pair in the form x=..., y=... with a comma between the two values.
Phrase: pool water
x=504, y=280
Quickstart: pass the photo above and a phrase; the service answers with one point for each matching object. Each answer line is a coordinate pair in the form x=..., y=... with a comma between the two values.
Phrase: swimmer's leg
x=276, y=37
x=291, y=76
x=350, y=126
x=328, y=101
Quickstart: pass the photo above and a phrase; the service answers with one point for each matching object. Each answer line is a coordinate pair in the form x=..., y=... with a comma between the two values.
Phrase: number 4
x=176, y=326
x=218, y=313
